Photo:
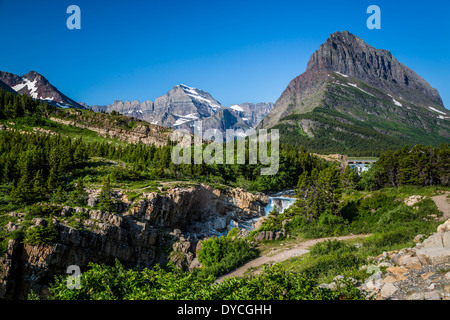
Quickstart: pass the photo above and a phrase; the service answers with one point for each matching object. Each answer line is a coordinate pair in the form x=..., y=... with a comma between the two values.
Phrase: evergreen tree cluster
x=36, y=165
x=420, y=165
x=17, y=106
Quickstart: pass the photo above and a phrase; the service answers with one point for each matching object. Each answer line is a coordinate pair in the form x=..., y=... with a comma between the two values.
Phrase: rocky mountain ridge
x=37, y=86
x=355, y=97
x=183, y=105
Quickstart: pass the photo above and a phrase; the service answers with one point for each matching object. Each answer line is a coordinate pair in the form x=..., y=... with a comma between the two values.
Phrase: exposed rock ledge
x=147, y=134
x=419, y=273
x=142, y=235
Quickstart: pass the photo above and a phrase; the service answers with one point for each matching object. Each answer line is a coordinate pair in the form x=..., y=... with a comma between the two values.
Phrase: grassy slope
x=352, y=122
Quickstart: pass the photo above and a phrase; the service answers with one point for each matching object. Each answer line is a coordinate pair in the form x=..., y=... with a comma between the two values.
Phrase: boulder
x=446, y=239
x=417, y=296
x=388, y=290
x=92, y=200
x=412, y=200
x=409, y=262
x=434, y=241
x=433, y=295
x=444, y=227
x=433, y=255
x=374, y=282
x=397, y=272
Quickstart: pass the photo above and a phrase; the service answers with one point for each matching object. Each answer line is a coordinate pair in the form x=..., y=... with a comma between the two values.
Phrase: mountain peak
x=37, y=86
x=354, y=97
x=346, y=53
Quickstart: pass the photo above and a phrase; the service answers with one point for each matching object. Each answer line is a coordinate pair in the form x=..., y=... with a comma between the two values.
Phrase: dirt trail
x=443, y=205
x=284, y=254
x=301, y=248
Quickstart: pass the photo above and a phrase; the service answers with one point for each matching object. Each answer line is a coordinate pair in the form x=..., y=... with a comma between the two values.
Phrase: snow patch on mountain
x=436, y=110
x=236, y=107
x=341, y=74
x=355, y=86
x=196, y=94
x=31, y=86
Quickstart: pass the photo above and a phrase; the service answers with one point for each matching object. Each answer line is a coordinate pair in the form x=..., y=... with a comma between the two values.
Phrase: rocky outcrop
x=154, y=230
x=347, y=54
x=102, y=238
x=37, y=86
x=182, y=106
x=141, y=133
x=200, y=210
x=348, y=93
x=419, y=273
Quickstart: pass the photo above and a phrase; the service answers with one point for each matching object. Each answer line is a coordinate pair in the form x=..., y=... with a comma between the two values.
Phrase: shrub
x=40, y=234
x=329, y=247
x=103, y=282
x=221, y=255
x=42, y=211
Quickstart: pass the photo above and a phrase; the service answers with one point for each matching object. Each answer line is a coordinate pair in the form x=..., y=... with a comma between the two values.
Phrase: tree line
x=37, y=167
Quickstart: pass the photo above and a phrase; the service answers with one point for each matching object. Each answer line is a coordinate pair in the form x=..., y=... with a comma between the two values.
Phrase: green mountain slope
x=358, y=100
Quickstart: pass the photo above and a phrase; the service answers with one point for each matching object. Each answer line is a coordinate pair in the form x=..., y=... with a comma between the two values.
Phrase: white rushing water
x=279, y=200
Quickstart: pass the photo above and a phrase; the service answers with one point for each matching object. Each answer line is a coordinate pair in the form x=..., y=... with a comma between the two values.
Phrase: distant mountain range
x=354, y=98
x=183, y=105
x=179, y=108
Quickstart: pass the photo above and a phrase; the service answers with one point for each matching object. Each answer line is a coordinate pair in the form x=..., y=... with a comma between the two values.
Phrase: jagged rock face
x=350, y=55
x=252, y=113
x=200, y=210
x=182, y=106
x=352, y=93
x=37, y=86
x=138, y=236
x=418, y=273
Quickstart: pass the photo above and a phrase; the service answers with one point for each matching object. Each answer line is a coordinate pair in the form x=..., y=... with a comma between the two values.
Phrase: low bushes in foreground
x=103, y=282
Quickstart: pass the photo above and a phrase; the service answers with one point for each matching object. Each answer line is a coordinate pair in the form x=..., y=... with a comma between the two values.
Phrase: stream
x=282, y=200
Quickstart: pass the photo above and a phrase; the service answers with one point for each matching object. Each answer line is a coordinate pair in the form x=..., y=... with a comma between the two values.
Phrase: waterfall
x=282, y=203
x=280, y=200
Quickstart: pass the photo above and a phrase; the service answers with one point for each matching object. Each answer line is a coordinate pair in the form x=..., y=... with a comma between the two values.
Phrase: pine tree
x=58, y=195
x=105, y=199
x=39, y=186
x=80, y=195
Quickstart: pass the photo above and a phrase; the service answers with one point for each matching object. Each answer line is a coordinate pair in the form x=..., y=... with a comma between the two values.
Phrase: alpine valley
x=95, y=189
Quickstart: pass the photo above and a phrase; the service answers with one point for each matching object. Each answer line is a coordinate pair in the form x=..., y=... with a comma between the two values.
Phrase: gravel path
x=284, y=254
x=301, y=248
x=443, y=205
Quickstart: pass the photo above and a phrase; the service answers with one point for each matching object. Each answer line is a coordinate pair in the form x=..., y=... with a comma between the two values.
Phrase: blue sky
x=239, y=51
